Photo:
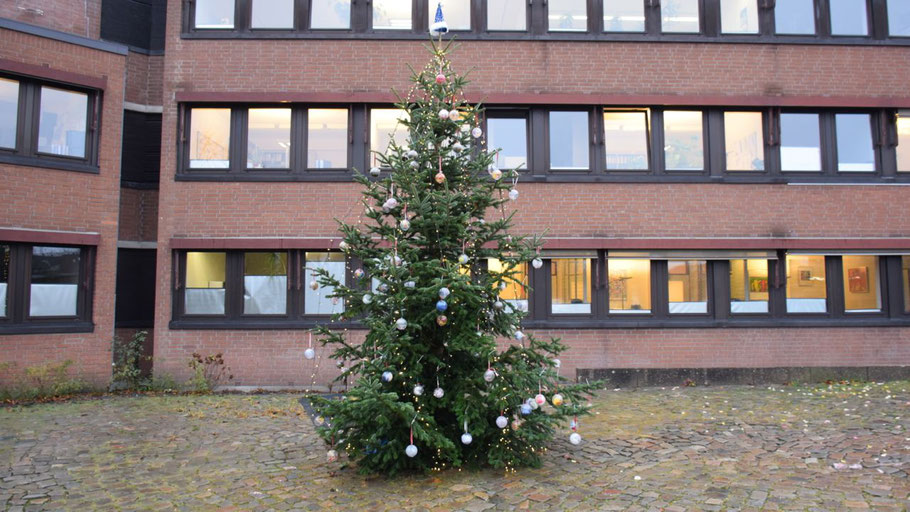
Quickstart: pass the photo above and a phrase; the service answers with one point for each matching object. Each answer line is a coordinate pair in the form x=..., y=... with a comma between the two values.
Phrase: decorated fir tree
x=431, y=387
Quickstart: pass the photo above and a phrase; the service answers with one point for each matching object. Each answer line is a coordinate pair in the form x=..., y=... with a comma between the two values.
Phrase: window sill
x=47, y=328
x=709, y=323
x=49, y=163
x=264, y=324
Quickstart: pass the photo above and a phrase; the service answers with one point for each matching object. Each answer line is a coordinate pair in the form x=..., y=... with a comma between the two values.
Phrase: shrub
x=127, y=359
x=208, y=372
x=48, y=380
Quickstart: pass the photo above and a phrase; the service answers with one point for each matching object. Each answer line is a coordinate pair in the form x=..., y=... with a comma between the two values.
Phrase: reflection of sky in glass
x=506, y=14
x=799, y=143
x=327, y=138
x=384, y=126
x=457, y=13
x=683, y=146
x=318, y=302
x=330, y=14
x=739, y=16
x=214, y=13
x=273, y=14
x=569, y=140
x=61, y=129
x=512, y=136
x=392, y=14
x=794, y=17
x=903, y=144
x=624, y=16
x=679, y=16
x=269, y=138
x=854, y=143
x=568, y=15
x=899, y=18
x=848, y=17
x=9, y=112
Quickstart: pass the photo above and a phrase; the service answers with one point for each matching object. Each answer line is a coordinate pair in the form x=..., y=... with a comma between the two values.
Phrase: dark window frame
x=511, y=113
x=706, y=147
x=592, y=141
x=649, y=135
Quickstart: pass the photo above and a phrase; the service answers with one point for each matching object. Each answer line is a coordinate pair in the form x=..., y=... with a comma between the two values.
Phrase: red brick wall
x=80, y=17
x=138, y=215
x=144, y=78
x=35, y=198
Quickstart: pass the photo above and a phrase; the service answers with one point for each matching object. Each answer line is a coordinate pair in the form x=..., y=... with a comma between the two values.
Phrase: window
x=265, y=283
x=54, y=284
x=272, y=14
x=385, y=127
x=507, y=15
x=392, y=14
x=854, y=142
x=739, y=16
x=510, y=136
x=629, y=285
x=744, y=142
x=806, y=284
x=624, y=16
x=515, y=291
x=62, y=122
x=687, y=286
x=626, y=140
x=898, y=18
x=679, y=16
x=4, y=278
x=330, y=14
x=210, y=138
x=318, y=301
x=862, y=291
x=214, y=14
x=457, y=13
x=9, y=112
x=327, y=138
x=206, y=273
x=903, y=144
x=800, y=142
x=569, y=140
x=849, y=18
x=567, y=16
x=905, y=274
x=683, y=141
x=268, y=138
x=749, y=286
x=571, y=286
x=796, y=17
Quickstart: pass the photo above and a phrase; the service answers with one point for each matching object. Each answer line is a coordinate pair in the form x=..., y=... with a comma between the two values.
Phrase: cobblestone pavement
x=720, y=448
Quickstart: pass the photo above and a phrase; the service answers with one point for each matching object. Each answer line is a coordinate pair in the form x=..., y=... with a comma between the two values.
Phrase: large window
x=330, y=14
x=569, y=141
x=9, y=112
x=385, y=127
x=795, y=17
x=807, y=288
x=510, y=136
x=570, y=286
x=206, y=273
x=800, y=143
x=269, y=138
x=854, y=143
x=739, y=16
x=568, y=15
x=514, y=283
x=272, y=14
x=905, y=279
x=265, y=283
x=457, y=13
x=210, y=138
x=744, y=142
x=687, y=286
x=391, y=14
x=749, y=291
x=626, y=140
x=679, y=16
x=862, y=290
x=849, y=17
x=327, y=138
x=629, y=285
x=624, y=16
x=899, y=18
x=218, y=14
x=62, y=122
x=318, y=301
x=4, y=277
x=507, y=15
x=683, y=141
x=903, y=144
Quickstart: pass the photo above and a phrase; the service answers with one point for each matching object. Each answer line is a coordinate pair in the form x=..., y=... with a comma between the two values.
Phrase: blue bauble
x=442, y=306
x=525, y=409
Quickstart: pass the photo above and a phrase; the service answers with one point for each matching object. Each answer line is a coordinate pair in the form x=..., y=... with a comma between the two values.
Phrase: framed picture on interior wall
x=804, y=276
x=858, y=279
x=758, y=284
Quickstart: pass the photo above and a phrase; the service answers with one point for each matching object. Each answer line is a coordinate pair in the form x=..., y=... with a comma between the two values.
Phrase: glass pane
x=679, y=16
x=514, y=293
x=318, y=302
x=9, y=112
x=55, y=281
x=739, y=16
x=569, y=140
x=507, y=15
x=510, y=135
x=330, y=14
x=269, y=138
x=687, y=284
x=899, y=17
x=457, y=13
x=61, y=128
x=210, y=138
x=745, y=141
x=903, y=144
x=4, y=277
x=214, y=13
x=862, y=293
x=854, y=143
x=571, y=286
x=749, y=286
x=905, y=270
x=626, y=140
x=683, y=146
x=273, y=14
x=392, y=14
x=327, y=138
x=624, y=16
x=385, y=127
x=806, y=287
x=630, y=285
x=205, y=275
x=568, y=15
x=265, y=283
x=800, y=146
x=848, y=18
x=794, y=17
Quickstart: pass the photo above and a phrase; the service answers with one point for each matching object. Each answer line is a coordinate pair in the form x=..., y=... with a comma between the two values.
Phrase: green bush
x=208, y=372
x=48, y=380
x=127, y=359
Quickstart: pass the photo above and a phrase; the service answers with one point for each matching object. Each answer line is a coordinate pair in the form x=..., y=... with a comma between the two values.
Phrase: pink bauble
x=540, y=399
x=440, y=78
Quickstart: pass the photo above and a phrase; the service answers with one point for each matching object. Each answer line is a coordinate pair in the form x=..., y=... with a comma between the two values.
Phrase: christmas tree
x=432, y=388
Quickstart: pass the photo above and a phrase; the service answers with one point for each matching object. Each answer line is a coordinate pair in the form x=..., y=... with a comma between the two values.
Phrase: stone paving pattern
x=839, y=447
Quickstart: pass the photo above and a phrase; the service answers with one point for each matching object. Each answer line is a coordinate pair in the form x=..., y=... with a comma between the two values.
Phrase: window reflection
x=205, y=276
x=62, y=125
x=272, y=14
x=214, y=14
x=330, y=14
x=567, y=15
x=679, y=16
x=624, y=16
x=327, y=138
x=391, y=15
x=898, y=18
x=848, y=17
x=511, y=136
x=265, y=283
x=800, y=143
x=862, y=292
x=629, y=286
x=507, y=15
x=739, y=16
x=749, y=286
x=854, y=142
x=626, y=140
x=269, y=138
x=457, y=13
x=806, y=285
x=54, y=281
x=9, y=112
x=515, y=293
x=569, y=140
x=905, y=270
x=385, y=126
x=687, y=285
x=903, y=144
x=318, y=302
x=571, y=286
x=795, y=17
x=210, y=138
x=744, y=141
x=4, y=277
x=683, y=141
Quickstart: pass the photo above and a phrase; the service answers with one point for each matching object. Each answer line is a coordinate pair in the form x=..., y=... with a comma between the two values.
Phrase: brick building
x=723, y=182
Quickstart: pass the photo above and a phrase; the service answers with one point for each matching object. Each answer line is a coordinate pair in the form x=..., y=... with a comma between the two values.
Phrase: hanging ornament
x=503, y=285
x=537, y=263
x=405, y=224
x=498, y=305
x=343, y=245
x=401, y=324
x=557, y=363
x=367, y=298
x=489, y=375
x=438, y=392
x=442, y=320
x=314, y=285
x=411, y=451
x=409, y=284
x=466, y=438
x=444, y=114
x=444, y=293
x=335, y=301
x=532, y=404
x=496, y=174
x=502, y=421
x=519, y=335
x=412, y=154
x=441, y=305
x=457, y=147
x=309, y=353
x=440, y=177
x=418, y=390
x=516, y=424
x=331, y=456
x=463, y=259
x=439, y=25
x=387, y=376
x=557, y=400
x=374, y=171
x=476, y=132
x=454, y=115
x=440, y=79
x=575, y=438
x=525, y=409
x=390, y=204
x=540, y=399
x=358, y=273
x=513, y=194
x=414, y=164
x=319, y=421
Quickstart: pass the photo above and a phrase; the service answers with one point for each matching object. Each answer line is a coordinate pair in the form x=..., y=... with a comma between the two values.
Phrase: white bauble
x=331, y=456
x=367, y=298
x=405, y=224
x=343, y=245
x=374, y=171
x=476, y=132
x=418, y=390
x=502, y=421
x=498, y=305
x=458, y=147
x=463, y=259
x=438, y=393
x=401, y=324
x=540, y=399
x=533, y=403
x=537, y=263
x=557, y=399
x=387, y=376
x=444, y=293
x=410, y=284
x=411, y=451
x=496, y=174
x=519, y=335
x=412, y=154
x=575, y=438
x=443, y=114
x=489, y=375
x=414, y=164
x=503, y=285
x=314, y=285
x=319, y=421
x=513, y=194
x=309, y=353
x=466, y=438
x=454, y=115
x=557, y=363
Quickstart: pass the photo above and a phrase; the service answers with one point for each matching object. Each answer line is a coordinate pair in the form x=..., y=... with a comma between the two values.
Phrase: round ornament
x=476, y=132
x=457, y=147
x=540, y=399
x=557, y=400
x=374, y=171
x=409, y=284
x=440, y=177
x=438, y=393
x=309, y=353
x=489, y=375
x=411, y=451
x=387, y=376
x=503, y=285
x=382, y=288
x=414, y=164
x=440, y=79
x=557, y=363
x=343, y=245
x=463, y=259
x=519, y=335
x=391, y=203
x=441, y=320
x=532, y=404
x=443, y=114
x=575, y=438
x=513, y=194
x=412, y=154
x=331, y=456
x=367, y=298
x=319, y=421
x=516, y=424
x=502, y=422
x=454, y=115
x=537, y=263
x=314, y=285
x=401, y=324
x=498, y=305
x=358, y=273
x=441, y=305
x=496, y=174
x=335, y=301
x=525, y=409
x=418, y=390
x=405, y=224
x=444, y=293
x=466, y=438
